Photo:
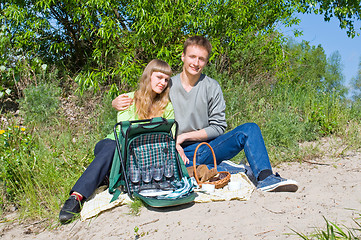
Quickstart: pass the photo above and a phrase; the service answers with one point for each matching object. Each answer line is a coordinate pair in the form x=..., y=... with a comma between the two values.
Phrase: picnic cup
x=233, y=186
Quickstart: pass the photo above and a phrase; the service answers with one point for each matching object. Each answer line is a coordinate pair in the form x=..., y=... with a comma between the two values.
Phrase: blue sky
x=332, y=38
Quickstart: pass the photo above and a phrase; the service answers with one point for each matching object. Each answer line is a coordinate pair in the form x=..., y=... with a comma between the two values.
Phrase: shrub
x=40, y=103
x=285, y=128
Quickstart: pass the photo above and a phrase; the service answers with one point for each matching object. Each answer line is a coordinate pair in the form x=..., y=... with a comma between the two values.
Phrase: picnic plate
x=154, y=192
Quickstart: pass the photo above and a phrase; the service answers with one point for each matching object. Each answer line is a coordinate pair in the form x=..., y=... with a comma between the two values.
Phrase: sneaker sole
x=286, y=186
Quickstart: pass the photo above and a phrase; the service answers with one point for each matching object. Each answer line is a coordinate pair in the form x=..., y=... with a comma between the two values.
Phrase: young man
x=199, y=109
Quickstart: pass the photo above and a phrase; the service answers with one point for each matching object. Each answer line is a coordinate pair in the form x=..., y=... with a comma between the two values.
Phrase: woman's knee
x=106, y=144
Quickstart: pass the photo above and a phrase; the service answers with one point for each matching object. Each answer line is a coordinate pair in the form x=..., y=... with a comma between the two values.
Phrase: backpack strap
x=118, y=166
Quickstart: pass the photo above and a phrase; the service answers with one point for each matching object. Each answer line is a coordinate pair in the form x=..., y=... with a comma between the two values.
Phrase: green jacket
x=130, y=114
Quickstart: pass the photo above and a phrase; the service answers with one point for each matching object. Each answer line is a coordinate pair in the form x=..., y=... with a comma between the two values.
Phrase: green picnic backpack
x=146, y=164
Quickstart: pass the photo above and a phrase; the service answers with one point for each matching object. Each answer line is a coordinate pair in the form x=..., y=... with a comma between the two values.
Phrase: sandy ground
x=330, y=187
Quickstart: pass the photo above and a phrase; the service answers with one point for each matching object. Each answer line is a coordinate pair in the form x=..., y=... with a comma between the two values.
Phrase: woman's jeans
x=247, y=136
x=98, y=169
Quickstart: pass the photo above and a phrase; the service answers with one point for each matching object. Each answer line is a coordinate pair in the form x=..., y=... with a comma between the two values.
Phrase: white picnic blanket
x=100, y=200
x=223, y=194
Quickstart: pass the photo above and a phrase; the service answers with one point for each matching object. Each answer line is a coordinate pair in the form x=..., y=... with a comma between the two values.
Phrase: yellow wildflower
x=22, y=129
x=2, y=131
x=16, y=126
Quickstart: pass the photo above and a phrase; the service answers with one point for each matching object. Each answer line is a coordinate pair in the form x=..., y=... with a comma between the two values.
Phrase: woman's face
x=159, y=81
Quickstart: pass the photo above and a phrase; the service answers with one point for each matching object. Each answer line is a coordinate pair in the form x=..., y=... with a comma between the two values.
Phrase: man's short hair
x=199, y=41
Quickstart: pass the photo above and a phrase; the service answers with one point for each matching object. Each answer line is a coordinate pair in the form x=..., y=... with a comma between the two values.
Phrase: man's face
x=194, y=59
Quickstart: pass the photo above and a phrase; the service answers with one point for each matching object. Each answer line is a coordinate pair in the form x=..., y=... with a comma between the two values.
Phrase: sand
x=329, y=186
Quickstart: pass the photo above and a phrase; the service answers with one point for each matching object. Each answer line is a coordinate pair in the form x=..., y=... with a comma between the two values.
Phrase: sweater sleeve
x=216, y=113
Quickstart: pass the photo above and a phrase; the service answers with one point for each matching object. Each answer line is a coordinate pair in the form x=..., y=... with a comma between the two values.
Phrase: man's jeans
x=247, y=136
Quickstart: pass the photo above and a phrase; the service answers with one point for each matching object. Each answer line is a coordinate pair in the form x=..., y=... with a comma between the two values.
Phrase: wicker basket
x=219, y=183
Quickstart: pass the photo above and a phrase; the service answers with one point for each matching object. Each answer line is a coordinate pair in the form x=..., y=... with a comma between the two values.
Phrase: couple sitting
x=199, y=109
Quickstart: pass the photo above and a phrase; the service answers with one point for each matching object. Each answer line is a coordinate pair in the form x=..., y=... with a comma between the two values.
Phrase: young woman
x=150, y=100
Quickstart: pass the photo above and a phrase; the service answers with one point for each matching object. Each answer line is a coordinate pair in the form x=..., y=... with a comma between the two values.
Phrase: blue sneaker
x=230, y=167
x=274, y=183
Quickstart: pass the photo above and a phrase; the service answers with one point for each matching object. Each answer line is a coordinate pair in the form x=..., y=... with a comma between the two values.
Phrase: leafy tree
x=306, y=64
x=333, y=79
x=310, y=68
x=313, y=86
x=347, y=12
x=356, y=84
x=108, y=42
x=356, y=94
x=260, y=60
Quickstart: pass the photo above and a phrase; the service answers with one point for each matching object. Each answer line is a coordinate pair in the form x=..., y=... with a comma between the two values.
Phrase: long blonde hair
x=146, y=105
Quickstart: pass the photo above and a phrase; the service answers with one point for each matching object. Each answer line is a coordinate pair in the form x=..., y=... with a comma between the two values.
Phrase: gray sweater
x=201, y=108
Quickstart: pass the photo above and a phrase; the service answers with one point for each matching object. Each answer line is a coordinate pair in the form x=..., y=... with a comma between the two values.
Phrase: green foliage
x=109, y=43
x=5, y=87
x=284, y=128
x=258, y=60
x=18, y=67
x=352, y=134
x=107, y=116
x=333, y=80
x=327, y=114
x=6, y=84
x=307, y=64
x=36, y=172
x=322, y=113
x=333, y=231
x=347, y=12
x=16, y=160
x=355, y=109
x=40, y=103
x=135, y=207
x=356, y=85
x=313, y=84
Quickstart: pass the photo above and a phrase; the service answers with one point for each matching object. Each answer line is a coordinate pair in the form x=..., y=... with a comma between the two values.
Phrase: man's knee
x=248, y=127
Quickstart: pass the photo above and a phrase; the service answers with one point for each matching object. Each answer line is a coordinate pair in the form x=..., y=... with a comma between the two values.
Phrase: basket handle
x=195, y=157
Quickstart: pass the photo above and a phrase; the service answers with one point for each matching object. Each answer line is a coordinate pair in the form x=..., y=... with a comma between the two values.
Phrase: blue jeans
x=247, y=137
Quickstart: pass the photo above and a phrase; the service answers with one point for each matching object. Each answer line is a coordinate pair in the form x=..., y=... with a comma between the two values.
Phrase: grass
x=38, y=176
x=333, y=231
x=135, y=206
x=40, y=164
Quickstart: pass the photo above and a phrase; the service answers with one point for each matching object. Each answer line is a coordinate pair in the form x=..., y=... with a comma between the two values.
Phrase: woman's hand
x=182, y=154
x=200, y=135
x=122, y=102
x=180, y=139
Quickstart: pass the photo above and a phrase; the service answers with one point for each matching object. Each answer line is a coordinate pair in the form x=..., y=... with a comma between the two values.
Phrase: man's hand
x=122, y=102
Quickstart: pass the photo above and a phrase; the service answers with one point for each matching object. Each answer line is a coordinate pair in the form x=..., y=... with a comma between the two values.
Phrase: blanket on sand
x=100, y=200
